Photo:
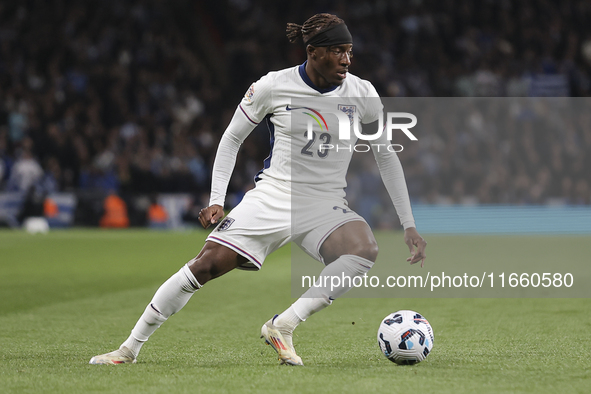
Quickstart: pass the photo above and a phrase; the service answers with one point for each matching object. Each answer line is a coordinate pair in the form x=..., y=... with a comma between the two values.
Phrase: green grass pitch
x=69, y=295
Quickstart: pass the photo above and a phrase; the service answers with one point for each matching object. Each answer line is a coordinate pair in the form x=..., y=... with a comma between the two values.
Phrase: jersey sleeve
x=253, y=108
x=373, y=105
x=389, y=164
x=225, y=159
x=393, y=177
x=258, y=99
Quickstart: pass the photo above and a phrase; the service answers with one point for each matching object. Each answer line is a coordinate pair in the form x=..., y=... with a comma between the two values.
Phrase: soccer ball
x=405, y=337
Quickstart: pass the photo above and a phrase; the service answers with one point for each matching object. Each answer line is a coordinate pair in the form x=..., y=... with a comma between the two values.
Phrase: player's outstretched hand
x=413, y=239
x=211, y=215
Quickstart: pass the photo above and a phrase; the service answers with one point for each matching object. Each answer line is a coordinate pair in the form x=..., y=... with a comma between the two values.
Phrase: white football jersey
x=288, y=101
x=308, y=158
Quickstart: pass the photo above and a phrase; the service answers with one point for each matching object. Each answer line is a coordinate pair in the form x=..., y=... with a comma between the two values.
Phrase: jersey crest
x=225, y=224
x=349, y=110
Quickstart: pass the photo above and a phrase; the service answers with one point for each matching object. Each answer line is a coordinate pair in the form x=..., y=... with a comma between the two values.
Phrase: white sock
x=288, y=319
x=170, y=298
x=306, y=307
x=319, y=297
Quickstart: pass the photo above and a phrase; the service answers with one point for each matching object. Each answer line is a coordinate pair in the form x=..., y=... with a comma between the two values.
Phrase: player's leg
x=350, y=250
x=213, y=261
x=352, y=238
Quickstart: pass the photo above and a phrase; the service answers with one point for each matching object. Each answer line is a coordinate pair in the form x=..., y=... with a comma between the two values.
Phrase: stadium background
x=131, y=98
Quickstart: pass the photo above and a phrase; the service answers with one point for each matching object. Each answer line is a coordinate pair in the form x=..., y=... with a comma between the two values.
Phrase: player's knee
x=205, y=269
x=368, y=250
x=372, y=251
x=214, y=262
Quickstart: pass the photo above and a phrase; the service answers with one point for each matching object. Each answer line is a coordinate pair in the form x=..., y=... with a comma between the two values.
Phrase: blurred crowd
x=484, y=151
x=133, y=96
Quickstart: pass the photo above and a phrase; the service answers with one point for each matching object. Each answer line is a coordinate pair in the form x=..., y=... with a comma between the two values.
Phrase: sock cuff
x=133, y=344
x=298, y=315
x=190, y=278
x=356, y=262
x=289, y=317
x=303, y=308
x=152, y=315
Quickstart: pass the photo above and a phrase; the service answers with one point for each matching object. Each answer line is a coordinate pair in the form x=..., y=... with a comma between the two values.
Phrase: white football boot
x=119, y=356
x=280, y=340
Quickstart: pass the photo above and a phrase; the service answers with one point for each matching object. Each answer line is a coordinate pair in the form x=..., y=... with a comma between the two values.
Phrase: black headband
x=334, y=35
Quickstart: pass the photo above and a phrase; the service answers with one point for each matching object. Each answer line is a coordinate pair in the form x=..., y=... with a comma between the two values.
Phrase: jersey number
x=322, y=152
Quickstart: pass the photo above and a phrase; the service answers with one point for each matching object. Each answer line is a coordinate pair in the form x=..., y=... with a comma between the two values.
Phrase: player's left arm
x=393, y=177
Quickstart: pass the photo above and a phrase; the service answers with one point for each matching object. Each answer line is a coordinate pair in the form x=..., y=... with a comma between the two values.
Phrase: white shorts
x=264, y=221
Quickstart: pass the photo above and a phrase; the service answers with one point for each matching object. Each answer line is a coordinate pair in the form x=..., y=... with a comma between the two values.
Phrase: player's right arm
x=254, y=107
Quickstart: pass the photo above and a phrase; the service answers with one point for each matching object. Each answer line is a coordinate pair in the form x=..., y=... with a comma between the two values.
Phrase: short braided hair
x=311, y=27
